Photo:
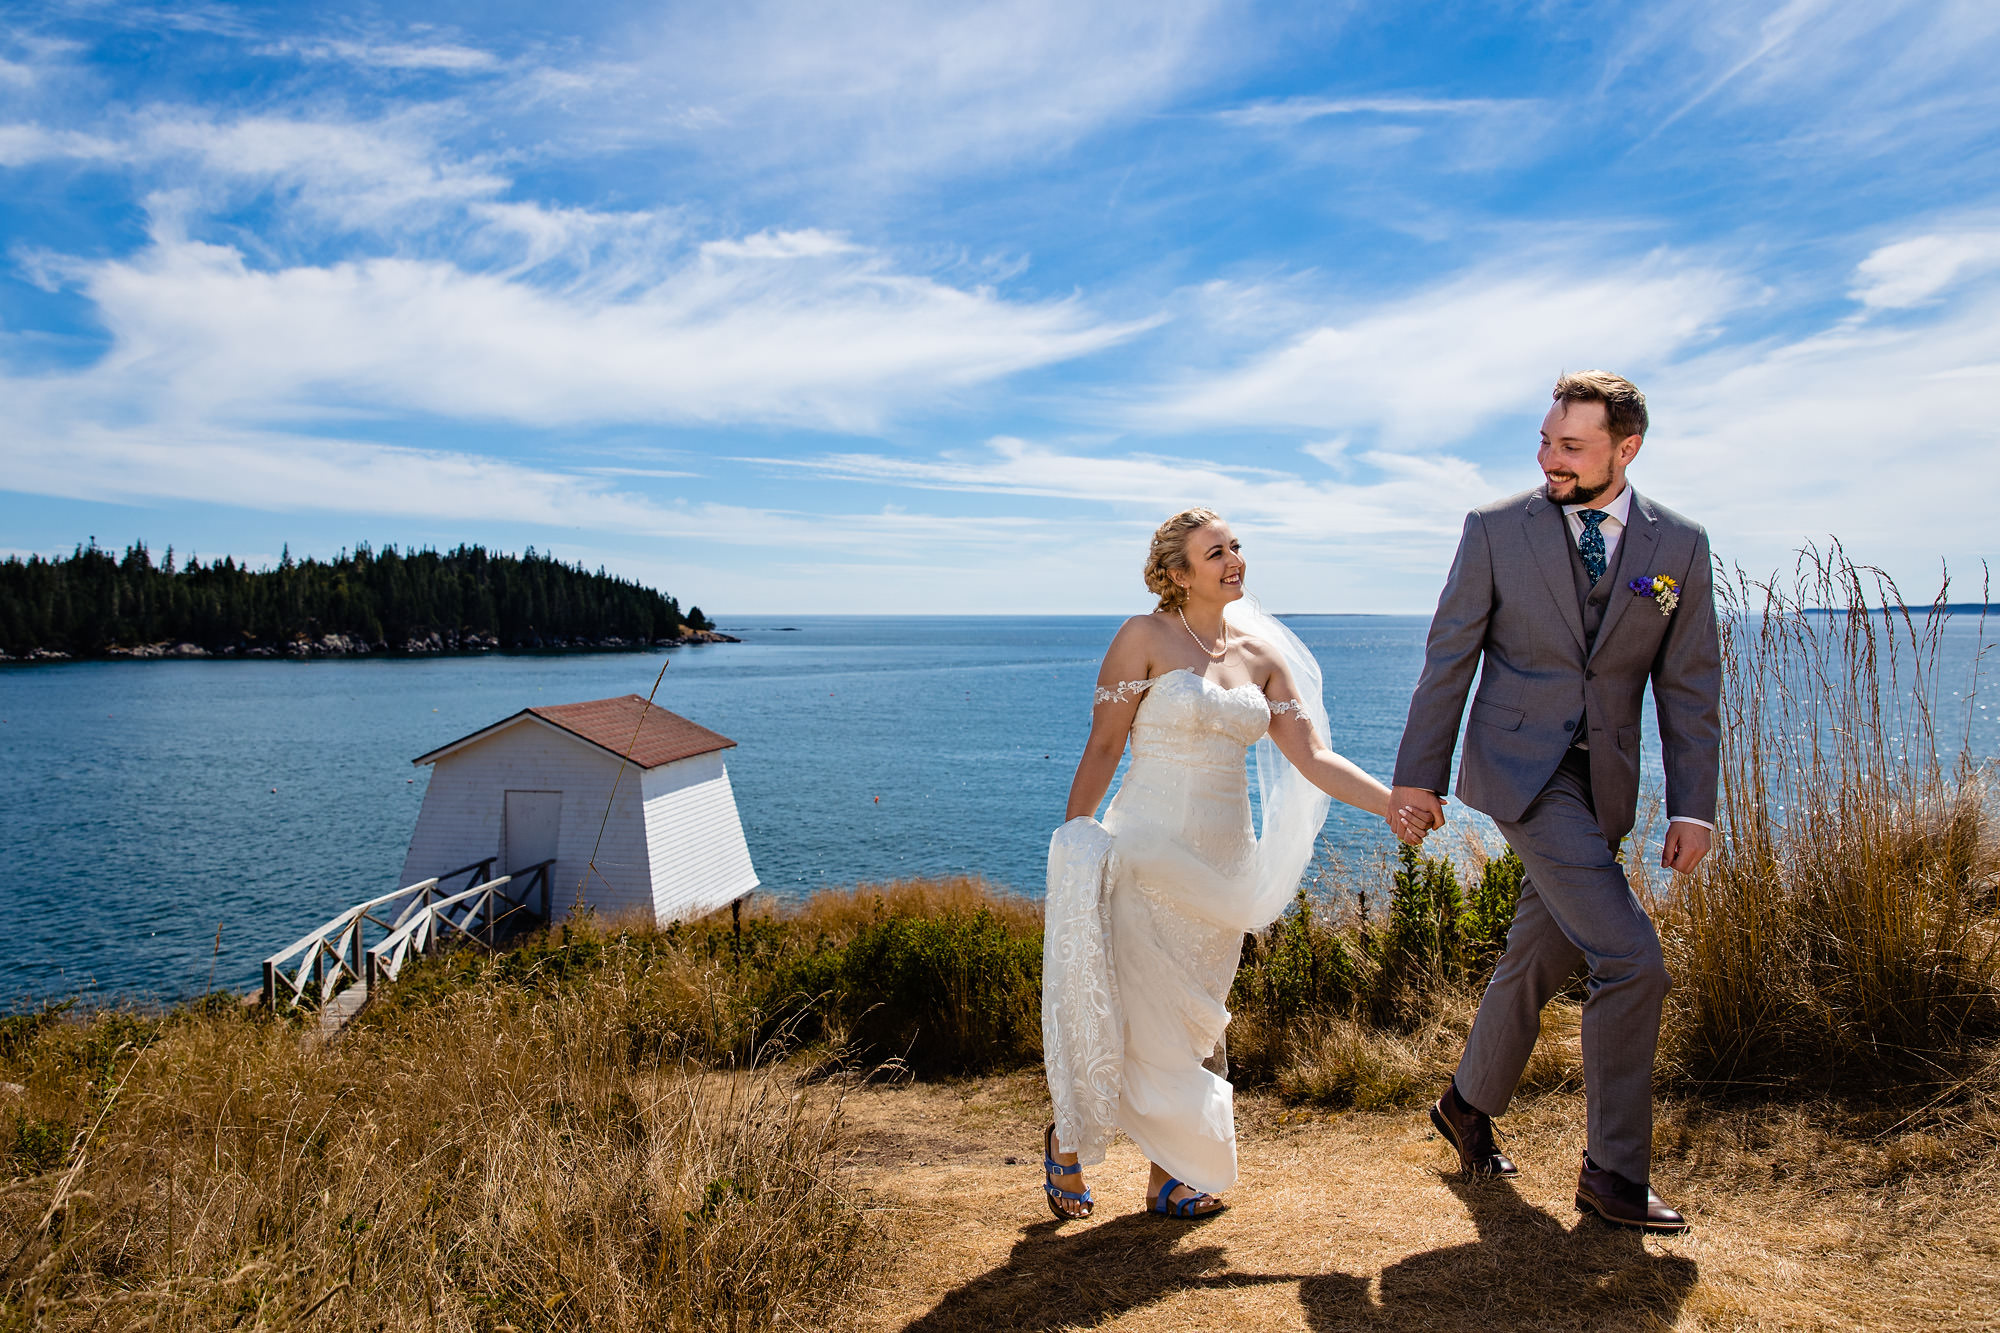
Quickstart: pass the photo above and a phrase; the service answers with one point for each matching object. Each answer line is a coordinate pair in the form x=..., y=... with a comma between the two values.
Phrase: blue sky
x=939, y=308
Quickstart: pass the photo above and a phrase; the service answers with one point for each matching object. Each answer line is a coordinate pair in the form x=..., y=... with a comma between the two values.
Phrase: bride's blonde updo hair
x=1169, y=553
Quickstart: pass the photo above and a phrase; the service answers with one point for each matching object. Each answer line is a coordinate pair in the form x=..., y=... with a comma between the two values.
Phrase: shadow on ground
x=1527, y=1269
x=1057, y=1278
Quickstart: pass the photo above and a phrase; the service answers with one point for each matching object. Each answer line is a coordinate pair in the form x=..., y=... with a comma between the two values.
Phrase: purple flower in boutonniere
x=1666, y=593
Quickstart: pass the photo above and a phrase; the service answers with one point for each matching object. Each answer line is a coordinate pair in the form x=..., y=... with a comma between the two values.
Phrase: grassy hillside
x=642, y=1128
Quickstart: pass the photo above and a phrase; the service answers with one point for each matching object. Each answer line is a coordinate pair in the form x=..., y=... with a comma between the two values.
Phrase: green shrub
x=1301, y=965
x=35, y=1145
x=959, y=992
x=1423, y=943
x=1490, y=910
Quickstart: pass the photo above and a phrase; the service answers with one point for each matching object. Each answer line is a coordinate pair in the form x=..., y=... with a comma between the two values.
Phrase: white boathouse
x=543, y=783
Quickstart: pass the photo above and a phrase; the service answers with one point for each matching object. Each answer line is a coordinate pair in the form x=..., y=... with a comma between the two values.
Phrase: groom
x=1567, y=600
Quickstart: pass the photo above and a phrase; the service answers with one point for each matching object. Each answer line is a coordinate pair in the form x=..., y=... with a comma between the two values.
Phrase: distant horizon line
x=1950, y=608
x=1005, y=615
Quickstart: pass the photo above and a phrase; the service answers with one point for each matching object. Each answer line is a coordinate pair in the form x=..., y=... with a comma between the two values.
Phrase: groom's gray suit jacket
x=1555, y=653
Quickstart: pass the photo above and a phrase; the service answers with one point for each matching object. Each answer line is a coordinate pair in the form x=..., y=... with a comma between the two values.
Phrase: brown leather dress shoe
x=1622, y=1203
x=1472, y=1135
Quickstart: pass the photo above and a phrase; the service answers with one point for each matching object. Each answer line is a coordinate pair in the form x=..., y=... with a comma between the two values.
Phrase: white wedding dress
x=1146, y=915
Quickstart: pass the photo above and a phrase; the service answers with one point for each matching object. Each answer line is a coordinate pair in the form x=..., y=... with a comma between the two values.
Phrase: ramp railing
x=475, y=915
x=327, y=961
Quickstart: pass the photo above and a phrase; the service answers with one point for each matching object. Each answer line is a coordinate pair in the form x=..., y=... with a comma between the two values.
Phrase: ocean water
x=152, y=808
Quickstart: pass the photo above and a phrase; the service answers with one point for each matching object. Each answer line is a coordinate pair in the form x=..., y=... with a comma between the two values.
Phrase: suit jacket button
x=1569, y=726
x=1590, y=675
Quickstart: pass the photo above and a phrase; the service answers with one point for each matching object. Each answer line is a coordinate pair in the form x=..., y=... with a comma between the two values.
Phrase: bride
x=1146, y=911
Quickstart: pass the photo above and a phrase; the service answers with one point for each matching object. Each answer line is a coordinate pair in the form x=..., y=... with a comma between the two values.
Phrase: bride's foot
x=1171, y=1198
x=1068, y=1198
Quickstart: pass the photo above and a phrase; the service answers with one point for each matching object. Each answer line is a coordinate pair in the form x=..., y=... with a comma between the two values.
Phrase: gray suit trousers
x=1576, y=904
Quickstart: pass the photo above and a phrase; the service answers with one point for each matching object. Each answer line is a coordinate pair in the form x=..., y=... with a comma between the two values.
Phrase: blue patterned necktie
x=1591, y=544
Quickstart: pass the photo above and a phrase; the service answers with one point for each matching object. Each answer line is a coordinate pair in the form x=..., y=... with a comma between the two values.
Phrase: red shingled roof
x=626, y=726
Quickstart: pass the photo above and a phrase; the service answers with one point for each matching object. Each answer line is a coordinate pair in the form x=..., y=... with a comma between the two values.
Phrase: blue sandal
x=1188, y=1207
x=1051, y=1168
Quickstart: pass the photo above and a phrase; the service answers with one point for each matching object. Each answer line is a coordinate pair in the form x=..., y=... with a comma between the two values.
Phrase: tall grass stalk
x=1843, y=930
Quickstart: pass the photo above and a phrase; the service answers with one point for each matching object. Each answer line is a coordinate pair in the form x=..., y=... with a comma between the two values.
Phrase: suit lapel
x=1635, y=557
x=1548, y=538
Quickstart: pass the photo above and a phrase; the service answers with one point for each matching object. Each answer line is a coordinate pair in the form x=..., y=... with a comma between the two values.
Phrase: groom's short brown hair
x=1624, y=405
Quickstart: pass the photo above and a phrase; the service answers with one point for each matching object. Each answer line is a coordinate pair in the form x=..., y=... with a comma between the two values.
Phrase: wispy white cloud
x=448, y=57
x=21, y=145
x=830, y=337
x=1770, y=443
x=1423, y=494
x=607, y=252
x=1914, y=271
x=1828, y=77
x=1435, y=364
x=292, y=473
x=1879, y=431
x=806, y=244
x=1289, y=111
x=902, y=86
x=354, y=173
x=281, y=472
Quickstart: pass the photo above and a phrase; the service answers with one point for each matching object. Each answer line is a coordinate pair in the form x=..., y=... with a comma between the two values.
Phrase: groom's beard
x=1578, y=493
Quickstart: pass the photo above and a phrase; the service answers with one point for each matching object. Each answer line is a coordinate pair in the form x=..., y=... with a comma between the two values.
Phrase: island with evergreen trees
x=94, y=604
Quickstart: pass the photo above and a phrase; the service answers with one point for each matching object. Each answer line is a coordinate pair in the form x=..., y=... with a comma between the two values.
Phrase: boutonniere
x=1666, y=593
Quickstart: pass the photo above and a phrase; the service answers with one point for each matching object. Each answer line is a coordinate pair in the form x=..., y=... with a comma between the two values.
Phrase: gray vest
x=1592, y=599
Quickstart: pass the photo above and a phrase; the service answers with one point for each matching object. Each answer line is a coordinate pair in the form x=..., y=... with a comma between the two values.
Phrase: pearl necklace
x=1214, y=654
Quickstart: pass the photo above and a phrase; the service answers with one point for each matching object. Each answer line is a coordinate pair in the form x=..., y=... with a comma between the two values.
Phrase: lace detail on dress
x=1082, y=1032
x=1279, y=707
x=1125, y=691
x=1203, y=960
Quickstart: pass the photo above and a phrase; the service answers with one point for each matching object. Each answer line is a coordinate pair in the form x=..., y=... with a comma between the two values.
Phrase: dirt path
x=1358, y=1222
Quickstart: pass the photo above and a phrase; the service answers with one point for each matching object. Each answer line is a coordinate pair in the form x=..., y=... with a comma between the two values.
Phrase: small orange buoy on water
x=878, y=800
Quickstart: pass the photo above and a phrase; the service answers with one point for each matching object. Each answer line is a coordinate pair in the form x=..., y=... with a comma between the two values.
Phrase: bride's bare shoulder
x=1144, y=628
x=1136, y=644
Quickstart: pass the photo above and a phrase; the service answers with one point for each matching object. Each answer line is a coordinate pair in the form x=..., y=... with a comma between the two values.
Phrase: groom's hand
x=1686, y=845
x=1413, y=812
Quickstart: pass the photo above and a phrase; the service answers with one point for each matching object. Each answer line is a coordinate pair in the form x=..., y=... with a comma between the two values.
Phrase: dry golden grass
x=1844, y=931
x=840, y=914
x=569, y=1137
x=509, y=1155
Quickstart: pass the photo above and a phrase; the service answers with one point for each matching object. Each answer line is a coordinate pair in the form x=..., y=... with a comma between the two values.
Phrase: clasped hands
x=1413, y=813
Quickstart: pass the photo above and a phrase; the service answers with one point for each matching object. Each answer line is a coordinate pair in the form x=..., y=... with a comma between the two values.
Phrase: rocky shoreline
x=434, y=644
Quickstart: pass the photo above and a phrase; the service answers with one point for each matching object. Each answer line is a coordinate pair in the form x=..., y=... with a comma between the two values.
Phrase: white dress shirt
x=1616, y=515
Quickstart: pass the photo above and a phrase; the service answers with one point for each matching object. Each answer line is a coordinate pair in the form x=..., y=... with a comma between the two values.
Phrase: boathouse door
x=533, y=825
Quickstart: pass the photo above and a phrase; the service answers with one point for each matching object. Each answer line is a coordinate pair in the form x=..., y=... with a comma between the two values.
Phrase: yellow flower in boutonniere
x=1662, y=588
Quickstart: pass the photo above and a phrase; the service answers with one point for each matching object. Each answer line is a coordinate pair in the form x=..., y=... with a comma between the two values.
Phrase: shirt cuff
x=1690, y=819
